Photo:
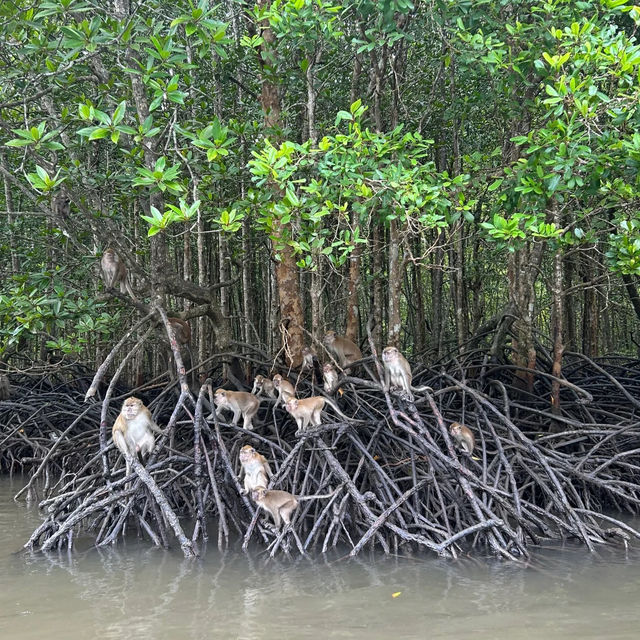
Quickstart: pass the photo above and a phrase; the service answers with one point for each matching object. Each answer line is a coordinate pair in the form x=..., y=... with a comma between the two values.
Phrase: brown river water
x=136, y=591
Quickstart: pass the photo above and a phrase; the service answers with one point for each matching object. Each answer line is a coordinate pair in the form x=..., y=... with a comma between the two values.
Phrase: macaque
x=256, y=468
x=344, y=351
x=308, y=356
x=61, y=205
x=397, y=372
x=132, y=430
x=463, y=437
x=115, y=272
x=240, y=402
x=308, y=410
x=261, y=384
x=5, y=387
x=330, y=377
x=284, y=388
x=280, y=504
x=181, y=330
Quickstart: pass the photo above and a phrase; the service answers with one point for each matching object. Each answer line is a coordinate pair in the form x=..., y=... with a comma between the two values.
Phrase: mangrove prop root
x=395, y=479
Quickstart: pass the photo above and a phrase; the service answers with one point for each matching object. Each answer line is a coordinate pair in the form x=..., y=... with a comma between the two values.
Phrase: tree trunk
x=522, y=271
x=8, y=200
x=395, y=286
x=291, y=316
x=590, y=310
x=353, y=309
x=557, y=315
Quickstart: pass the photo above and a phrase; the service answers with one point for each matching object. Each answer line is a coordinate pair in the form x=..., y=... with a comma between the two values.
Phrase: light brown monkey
x=281, y=504
x=284, y=388
x=114, y=272
x=330, y=378
x=255, y=467
x=463, y=437
x=5, y=387
x=132, y=430
x=344, y=351
x=308, y=410
x=261, y=384
x=240, y=402
x=397, y=372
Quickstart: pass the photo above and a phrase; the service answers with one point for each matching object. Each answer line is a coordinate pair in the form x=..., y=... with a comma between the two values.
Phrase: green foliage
x=43, y=305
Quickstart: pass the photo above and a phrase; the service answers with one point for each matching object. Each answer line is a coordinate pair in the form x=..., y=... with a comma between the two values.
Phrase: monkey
x=5, y=387
x=261, y=384
x=240, y=402
x=61, y=206
x=256, y=468
x=308, y=410
x=397, y=372
x=284, y=388
x=463, y=437
x=308, y=356
x=330, y=377
x=281, y=504
x=181, y=330
x=342, y=348
x=132, y=430
x=115, y=272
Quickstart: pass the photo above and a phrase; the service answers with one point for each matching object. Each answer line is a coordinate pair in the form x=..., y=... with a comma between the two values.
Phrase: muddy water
x=133, y=591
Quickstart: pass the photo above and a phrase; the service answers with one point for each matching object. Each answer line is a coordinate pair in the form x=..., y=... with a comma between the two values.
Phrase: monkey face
x=292, y=405
x=329, y=337
x=277, y=379
x=131, y=408
x=455, y=429
x=389, y=354
x=258, y=494
x=246, y=453
x=220, y=397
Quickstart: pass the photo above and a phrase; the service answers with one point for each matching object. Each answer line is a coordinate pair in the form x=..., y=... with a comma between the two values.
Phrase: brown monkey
x=463, y=437
x=181, y=330
x=132, y=430
x=344, y=351
x=330, y=378
x=308, y=410
x=261, y=384
x=280, y=504
x=115, y=272
x=256, y=468
x=397, y=372
x=284, y=388
x=5, y=387
x=240, y=402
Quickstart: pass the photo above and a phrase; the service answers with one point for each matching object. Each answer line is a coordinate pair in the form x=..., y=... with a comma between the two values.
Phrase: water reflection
x=132, y=590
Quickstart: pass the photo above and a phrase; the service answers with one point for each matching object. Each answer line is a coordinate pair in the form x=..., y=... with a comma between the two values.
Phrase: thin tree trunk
x=557, y=315
x=8, y=200
x=395, y=285
x=590, y=307
x=353, y=308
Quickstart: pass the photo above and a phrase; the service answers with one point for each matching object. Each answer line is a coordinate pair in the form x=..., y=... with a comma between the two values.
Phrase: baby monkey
x=261, y=384
x=463, y=436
